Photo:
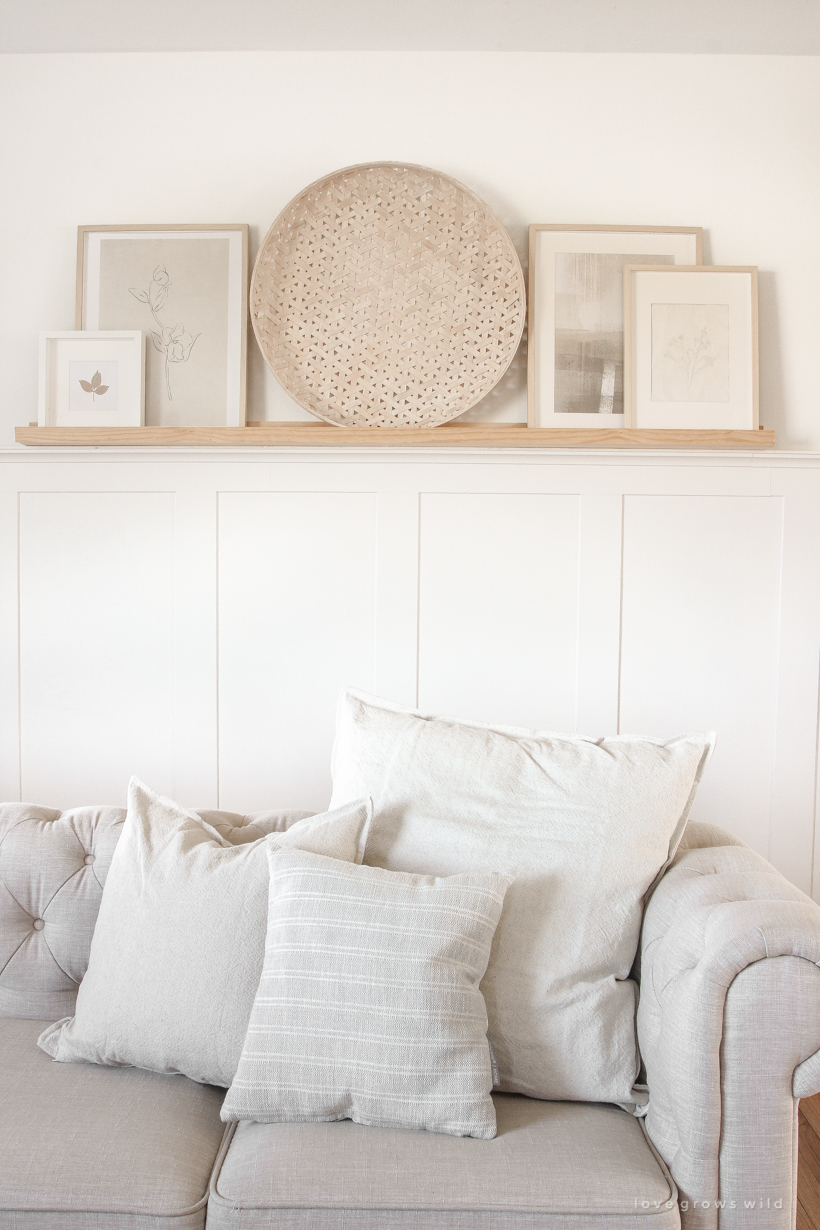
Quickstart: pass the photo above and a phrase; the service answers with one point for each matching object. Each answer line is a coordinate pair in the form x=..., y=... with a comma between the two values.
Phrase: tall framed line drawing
x=690, y=343
x=186, y=287
x=575, y=315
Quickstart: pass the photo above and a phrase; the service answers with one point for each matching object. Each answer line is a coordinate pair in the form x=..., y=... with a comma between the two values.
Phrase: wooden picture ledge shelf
x=455, y=435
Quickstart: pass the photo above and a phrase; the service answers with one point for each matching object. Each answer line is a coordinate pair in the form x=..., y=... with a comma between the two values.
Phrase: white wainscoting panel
x=498, y=607
x=96, y=644
x=9, y=649
x=191, y=616
x=297, y=597
x=701, y=582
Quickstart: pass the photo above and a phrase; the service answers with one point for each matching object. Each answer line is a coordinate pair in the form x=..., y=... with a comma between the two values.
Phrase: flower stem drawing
x=694, y=358
x=172, y=341
x=95, y=386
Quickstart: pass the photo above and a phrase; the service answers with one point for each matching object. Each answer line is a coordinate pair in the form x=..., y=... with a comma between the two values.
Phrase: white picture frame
x=575, y=279
x=186, y=287
x=691, y=347
x=92, y=378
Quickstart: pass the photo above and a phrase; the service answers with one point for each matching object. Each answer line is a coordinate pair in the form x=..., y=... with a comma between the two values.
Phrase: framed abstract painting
x=575, y=319
x=186, y=287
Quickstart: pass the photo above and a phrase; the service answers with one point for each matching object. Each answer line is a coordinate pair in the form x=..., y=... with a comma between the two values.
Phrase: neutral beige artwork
x=589, y=329
x=690, y=352
x=92, y=385
x=176, y=291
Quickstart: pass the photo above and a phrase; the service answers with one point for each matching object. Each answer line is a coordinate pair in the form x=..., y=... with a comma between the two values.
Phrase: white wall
x=727, y=142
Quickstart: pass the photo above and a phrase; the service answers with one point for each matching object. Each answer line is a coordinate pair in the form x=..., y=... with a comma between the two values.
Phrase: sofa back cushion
x=53, y=867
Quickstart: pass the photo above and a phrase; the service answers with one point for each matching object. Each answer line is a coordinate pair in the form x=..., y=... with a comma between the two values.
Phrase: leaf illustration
x=96, y=381
x=142, y=295
x=85, y=385
x=102, y=389
x=158, y=344
x=160, y=299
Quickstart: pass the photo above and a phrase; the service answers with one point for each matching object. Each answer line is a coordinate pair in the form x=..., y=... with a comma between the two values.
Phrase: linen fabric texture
x=179, y=942
x=53, y=867
x=369, y=1005
x=552, y=1166
x=90, y=1148
x=586, y=826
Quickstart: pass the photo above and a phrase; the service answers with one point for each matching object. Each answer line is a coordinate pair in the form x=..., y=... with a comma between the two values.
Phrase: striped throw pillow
x=369, y=1005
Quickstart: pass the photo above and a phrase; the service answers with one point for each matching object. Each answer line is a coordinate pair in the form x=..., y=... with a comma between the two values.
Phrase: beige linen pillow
x=180, y=939
x=585, y=825
x=369, y=1007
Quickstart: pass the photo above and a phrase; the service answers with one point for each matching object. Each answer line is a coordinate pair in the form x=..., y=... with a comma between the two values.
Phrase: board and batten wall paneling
x=192, y=619
x=701, y=604
x=498, y=607
x=297, y=573
x=96, y=644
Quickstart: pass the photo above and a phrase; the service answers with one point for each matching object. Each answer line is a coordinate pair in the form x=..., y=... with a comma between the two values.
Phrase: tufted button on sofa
x=728, y=1023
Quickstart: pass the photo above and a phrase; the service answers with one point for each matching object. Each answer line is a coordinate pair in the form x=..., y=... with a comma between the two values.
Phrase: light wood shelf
x=464, y=435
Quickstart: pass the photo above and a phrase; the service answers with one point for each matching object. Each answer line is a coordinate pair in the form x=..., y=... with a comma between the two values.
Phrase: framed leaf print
x=186, y=287
x=92, y=379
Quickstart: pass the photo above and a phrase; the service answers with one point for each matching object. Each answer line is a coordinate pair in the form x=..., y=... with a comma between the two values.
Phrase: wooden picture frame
x=186, y=286
x=691, y=347
x=587, y=260
x=92, y=379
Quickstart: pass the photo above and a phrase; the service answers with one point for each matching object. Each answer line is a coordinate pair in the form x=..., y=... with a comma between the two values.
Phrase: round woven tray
x=387, y=295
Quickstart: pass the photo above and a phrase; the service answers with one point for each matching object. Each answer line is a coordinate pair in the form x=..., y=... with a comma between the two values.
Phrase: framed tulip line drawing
x=186, y=288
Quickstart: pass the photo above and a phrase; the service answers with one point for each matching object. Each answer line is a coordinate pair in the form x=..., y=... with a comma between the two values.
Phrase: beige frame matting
x=86, y=315
x=684, y=244
x=667, y=328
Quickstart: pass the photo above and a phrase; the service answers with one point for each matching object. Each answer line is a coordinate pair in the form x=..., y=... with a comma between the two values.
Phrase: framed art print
x=575, y=317
x=691, y=347
x=92, y=379
x=186, y=287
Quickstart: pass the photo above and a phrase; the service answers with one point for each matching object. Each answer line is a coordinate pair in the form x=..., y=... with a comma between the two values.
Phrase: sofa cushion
x=53, y=866
x=89, y=1147
x=552, y=1164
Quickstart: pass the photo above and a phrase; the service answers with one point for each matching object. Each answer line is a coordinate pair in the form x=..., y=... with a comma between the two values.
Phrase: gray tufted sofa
x=729, y=1026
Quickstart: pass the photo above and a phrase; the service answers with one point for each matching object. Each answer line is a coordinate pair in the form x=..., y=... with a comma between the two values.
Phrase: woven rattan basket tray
x=387, y=295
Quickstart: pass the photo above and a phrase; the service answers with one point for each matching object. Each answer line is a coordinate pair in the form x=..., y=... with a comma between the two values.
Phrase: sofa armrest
x=729, y=1031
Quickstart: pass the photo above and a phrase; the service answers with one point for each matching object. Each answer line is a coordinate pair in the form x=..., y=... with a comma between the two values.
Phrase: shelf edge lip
x=477, y=437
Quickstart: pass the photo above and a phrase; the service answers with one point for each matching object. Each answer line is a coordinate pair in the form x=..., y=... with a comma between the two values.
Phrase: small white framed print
x=690, y=347
x=92, y=378
x=575, y=327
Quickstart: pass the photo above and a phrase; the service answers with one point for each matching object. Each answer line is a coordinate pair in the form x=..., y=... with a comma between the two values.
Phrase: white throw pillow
x=585, y=825
x=369, y=1006
x=180, y=939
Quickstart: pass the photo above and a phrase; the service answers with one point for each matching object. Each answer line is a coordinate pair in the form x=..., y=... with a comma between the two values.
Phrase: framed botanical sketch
x=187, y=288
x=691, y=347
x=92, y=379
x=575, y=315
